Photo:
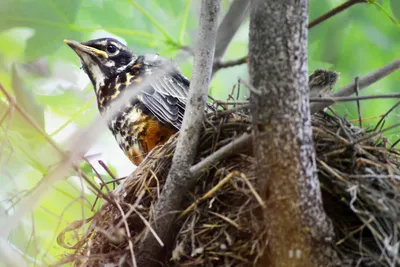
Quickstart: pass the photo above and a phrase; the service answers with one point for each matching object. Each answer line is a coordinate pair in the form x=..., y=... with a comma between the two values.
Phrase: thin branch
x=179, y=181
x=230, y=25
x=234, y=147
x=334, y=12
x=227, y=64
x=385, y=115
x=358, y=101
x=102, y=164
x=128, y=235
x=210, y=193
x=375, y=133
x=364, y=82
x=227, y=29
x=223, y=41
x=352, y=98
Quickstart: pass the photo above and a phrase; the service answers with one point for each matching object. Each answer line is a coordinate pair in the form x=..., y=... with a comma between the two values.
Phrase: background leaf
x=47, y=17
x=26, y=99
x=395, y=5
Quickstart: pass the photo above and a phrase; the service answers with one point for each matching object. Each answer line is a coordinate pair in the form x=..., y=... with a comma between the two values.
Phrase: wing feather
x=167, y=93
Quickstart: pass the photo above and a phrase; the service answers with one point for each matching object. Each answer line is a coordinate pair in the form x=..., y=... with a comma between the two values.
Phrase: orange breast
x=150, y=133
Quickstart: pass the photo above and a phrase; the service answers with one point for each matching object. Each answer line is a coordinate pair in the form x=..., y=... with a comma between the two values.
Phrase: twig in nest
x=375, y=134
x=233, y=147
x=103, y=183
x=357, y=88
x=128, y=234
x=94, y=187
x=231, y=222
x=146, y=223
x=385, y=115
x=109, y=172
x=210, y=193
x=395, y=143
x=253, y=190
x=352, y=233
x=72, y=227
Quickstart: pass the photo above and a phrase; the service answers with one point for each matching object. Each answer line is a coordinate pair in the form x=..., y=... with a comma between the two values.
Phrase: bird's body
x=154, y=90
x=154, y=113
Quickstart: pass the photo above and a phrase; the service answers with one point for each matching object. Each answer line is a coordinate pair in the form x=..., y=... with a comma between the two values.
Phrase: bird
x=156, y=110
x=322, y=81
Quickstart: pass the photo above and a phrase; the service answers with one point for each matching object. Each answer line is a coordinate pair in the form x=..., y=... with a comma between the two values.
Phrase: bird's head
x=102, y=59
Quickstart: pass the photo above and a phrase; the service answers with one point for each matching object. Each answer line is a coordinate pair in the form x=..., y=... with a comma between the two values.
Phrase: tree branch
x=179, y=180
x=229, y=26
x=363, y=82
x=223, y=42
x=234, y=147
x=227, y=64
x=334, y=12
x=227, y=29
x=332, y=100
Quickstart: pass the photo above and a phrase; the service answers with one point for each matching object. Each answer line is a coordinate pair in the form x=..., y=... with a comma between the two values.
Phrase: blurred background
x=44, y=76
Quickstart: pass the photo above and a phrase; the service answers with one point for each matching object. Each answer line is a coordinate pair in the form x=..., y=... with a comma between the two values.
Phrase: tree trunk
x=300, y=233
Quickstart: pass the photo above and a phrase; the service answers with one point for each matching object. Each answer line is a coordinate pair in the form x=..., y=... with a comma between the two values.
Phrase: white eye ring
x=112, y=49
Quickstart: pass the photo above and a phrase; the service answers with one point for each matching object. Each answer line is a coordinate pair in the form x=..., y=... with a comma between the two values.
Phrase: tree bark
x=299, y=231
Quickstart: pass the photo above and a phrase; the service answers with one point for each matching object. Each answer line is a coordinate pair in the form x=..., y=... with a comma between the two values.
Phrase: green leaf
x=26, y=99
x=395, y=5
x=51, y=20
x=184, y=21
x=153, y=21
x=381, y=8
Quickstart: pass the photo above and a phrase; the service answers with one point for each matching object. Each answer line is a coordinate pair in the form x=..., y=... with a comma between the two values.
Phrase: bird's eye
x=111, y=49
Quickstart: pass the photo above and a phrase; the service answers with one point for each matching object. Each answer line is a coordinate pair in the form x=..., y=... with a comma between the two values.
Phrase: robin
x=321, y=82
x=156, y=111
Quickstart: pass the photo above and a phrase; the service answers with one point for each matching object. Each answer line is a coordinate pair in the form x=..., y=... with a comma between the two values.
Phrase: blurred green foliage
x=43, y=74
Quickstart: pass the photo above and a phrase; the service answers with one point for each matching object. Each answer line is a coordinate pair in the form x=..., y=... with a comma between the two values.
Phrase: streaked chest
x=138, y=132
x=127, y=126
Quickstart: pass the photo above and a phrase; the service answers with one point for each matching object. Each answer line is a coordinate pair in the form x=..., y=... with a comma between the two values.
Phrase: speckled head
x=102, y=59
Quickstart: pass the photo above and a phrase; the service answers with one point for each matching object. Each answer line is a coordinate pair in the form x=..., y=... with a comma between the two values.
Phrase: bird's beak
x=80, y=48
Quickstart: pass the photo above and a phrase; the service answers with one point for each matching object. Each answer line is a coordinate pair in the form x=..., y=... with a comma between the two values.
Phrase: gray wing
x=168, y=91
x=166, y=98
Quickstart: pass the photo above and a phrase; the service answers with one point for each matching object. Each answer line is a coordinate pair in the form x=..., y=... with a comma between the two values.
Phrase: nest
x=360, y=185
